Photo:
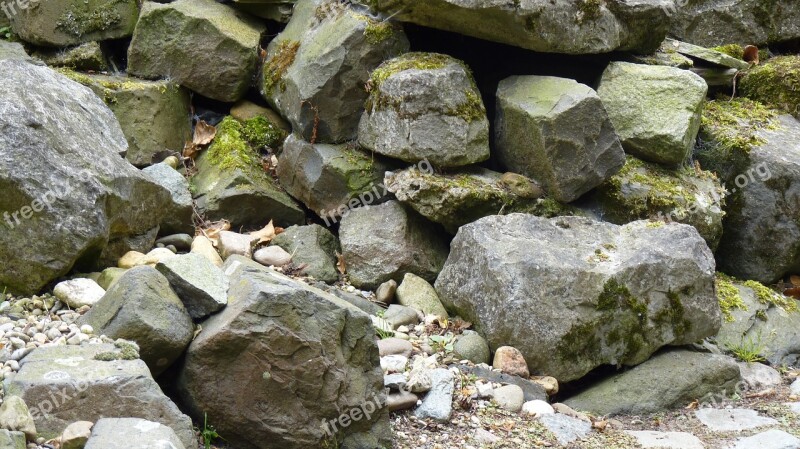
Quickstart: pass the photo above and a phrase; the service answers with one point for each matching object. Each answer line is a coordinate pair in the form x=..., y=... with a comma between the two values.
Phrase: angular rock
x=565, y=428
x=732, y=420
x=556, y=131
x=643, y=190
x=85, y=198
x=315, y=70
x=13, y=50
x=71, y=22
x=561, y=27
x=438, y=403
x=231, y=183
x=633, y=289
x=132, y=433
x=154, y=115
x=417, y=293
x=12, y=440
x=773, y=82
x=85, y=57
x=755, y=152
x=179, y=215
x=719, y=22
x=668, y=380
x=387, y=241
x=330, y=179
x=110, y=276
x=314, y=247
x=69, y=383
x=397, y=315
x=141, y=307
x=76, y=435
x=14, y=415
x=425, y=106
x=79, y=292
x=199, y=284
x=208, y=47
x=758, y=376
x=256, y=366
x=654, y=109
x=671, y=440
x=706, y=55
x=454, y=200
x=401, y=401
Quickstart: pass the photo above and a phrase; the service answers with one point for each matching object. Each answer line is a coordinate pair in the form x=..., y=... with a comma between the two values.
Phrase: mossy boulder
x=71, y=22
x=573, y=294
x=643, y=190
x=232, y=183
x=775, y=83
x=760, y=320
x=316, y=69
x=573, y=27
x=155, y=116
x=88, y=56
x=206, y=46
x=654, y=109
x=556, y=131
x=330, y=179
x=456, y=199
x=755, y=152
x=425, y=106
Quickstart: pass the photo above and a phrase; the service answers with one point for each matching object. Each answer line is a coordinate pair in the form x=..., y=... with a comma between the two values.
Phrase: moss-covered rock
x=88, y=56
x=425, y=106
x=71, y=22
x=155, y=115
x=232, y=183
x=775, y=83
x=206, y=46
x=755, y=152
x=643, y=190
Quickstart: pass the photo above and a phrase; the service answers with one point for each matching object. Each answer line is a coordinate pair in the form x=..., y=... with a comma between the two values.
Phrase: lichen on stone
x=730, y=128
x=81, y=20
x=276, y=66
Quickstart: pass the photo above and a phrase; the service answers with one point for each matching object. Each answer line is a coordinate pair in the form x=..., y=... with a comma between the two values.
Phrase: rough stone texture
x=654, y=109
x=510, y=361
x=771, y=439
x=76, y=435
x=771, y=329
x=154, y=115
x=632, y=289
x=758, y=376
x=71, y=22
x=544, y=25
x=668, y=380
x=94, y=389
x=88, y=56
x=419, y=294
x=60, y=154
x=280, y=359
x=387, y=241
x=316, y=69
x=141, y=307
x=178, y=217
x=456, y=199
x=199, y=284
x=12, y=440
x=230, y=243
x=425, y=106
x=208, y=47
x=732, y=420
x=14, y=415
x=668, y=440
x=132, y=433
x=719, y=22
x=438, y=403
x=705, y=55
x=13, y=50
x=329, y=179
x=556, y=131
x=764, y=177
x=472, y=347
x=312, y=246
x=566, y=428
x=643, y=190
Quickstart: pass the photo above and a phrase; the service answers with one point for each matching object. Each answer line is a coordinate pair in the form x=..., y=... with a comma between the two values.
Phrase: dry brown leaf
x=203, y=133
x=693, y=405
x=751, y=54
x=265, y=234
x=212, y=230
x=600, y=425
x=340, y=263
x=761, y=394
x=794, y=292
x=190, y=150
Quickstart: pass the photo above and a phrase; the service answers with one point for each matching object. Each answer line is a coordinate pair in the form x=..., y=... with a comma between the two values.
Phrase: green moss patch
x=775, y=83
x=276, y=67
x=730, y=129
x=730, y=298
x=237, y=143
x=82, y=20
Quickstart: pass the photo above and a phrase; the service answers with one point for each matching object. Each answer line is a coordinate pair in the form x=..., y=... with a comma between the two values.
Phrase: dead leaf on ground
x=204, y=134
x=751, y=54
x=340, y=263
x=600, y=425
x=213, y=229
x=693, y=405
x=265, y=234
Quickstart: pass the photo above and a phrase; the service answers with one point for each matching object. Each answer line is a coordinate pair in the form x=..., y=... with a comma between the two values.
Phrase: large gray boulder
x=556, y=131
x=425, y=106
x=387, y=241
x=316, y=69
x=312, y=247
x=668, y=380
x=573, y=294
x=154, y=115
x=281, y=362
x=552, y=26
x=756, y=153
x=132, y=433
x=142, y=307
x=326, y=178
x=719, y=22
x=66, y=384
x=72, y=22
x=62, y=177
x=654, y=109
x=206, y=46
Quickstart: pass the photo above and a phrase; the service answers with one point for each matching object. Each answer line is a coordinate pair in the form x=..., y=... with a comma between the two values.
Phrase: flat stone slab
x=771, y=439
x=732, y=420
x=132, y=433
x=667, y=440
x=566, y=428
